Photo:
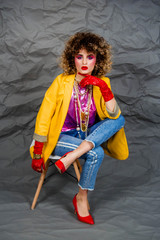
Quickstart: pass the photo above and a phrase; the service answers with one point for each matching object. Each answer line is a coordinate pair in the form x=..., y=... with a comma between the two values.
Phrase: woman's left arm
x=112, y=107
x=111, y=104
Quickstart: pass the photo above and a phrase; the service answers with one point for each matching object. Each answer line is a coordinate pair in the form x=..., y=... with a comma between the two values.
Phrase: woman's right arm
x=43, y=120
x=46, y=112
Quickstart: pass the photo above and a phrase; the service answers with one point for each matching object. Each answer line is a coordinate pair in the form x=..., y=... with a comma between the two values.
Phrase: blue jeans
x=97, y=134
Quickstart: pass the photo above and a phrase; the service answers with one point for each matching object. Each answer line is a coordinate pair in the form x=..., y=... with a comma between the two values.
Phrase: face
x=85, y=62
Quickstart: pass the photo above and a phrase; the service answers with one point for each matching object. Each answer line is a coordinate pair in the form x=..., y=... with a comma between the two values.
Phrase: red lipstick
x=84, y=68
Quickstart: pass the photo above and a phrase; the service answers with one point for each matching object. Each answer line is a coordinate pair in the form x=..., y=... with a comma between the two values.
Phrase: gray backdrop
x=125, y=203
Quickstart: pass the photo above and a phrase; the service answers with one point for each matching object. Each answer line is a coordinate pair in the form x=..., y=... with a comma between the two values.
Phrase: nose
x=84, y=60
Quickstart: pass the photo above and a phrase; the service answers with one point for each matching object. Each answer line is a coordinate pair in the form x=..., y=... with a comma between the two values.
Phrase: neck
x=79, y=77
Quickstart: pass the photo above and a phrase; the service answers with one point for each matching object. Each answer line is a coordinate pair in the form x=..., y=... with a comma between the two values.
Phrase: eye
x=79, y=57
x=90, y=57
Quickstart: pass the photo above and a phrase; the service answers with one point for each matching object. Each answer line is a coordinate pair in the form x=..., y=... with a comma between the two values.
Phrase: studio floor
x=123, y=207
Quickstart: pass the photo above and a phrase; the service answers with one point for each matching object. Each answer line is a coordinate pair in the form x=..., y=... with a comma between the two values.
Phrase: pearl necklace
x=84, y=115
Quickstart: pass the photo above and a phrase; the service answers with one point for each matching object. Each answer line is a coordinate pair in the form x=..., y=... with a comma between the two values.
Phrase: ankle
x=81, y=197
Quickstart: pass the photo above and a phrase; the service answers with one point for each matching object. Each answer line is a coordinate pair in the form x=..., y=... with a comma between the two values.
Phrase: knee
x=100, y=152
x=97, y=154
x=90, y=144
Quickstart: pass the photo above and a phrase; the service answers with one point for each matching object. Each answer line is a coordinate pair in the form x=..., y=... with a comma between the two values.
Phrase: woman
x=79, y=114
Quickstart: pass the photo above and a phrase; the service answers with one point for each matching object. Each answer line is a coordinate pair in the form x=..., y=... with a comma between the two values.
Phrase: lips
x=84, y=68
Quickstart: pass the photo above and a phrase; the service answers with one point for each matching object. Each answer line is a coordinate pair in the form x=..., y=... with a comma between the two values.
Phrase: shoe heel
x=59, y=165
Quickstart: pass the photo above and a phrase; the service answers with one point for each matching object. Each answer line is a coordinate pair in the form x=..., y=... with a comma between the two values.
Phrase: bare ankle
x=82, y=194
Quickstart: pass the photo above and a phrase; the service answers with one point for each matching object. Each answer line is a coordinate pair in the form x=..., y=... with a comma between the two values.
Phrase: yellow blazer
x=53, y=111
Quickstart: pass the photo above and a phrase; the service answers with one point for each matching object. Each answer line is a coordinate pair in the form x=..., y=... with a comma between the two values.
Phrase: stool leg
x=40, y=183
x=79, y=165
x=76, y=170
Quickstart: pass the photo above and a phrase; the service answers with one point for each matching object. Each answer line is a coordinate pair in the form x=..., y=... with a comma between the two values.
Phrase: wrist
x=38, y=149
x=107, y=97
x=37, y=156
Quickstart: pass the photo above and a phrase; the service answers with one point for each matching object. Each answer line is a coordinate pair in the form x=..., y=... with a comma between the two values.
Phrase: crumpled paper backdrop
x=33, y=34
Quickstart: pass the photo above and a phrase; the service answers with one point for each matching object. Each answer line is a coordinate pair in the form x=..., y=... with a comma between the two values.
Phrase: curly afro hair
x=91, y=43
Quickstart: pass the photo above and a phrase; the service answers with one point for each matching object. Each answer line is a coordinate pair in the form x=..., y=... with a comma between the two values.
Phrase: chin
x=85, y=72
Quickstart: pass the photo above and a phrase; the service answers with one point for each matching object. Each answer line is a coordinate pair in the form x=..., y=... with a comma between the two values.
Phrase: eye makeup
x=90, y=57
x=78, y=56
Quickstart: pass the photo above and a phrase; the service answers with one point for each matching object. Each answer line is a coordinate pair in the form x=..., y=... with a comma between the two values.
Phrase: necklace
x=84, y=115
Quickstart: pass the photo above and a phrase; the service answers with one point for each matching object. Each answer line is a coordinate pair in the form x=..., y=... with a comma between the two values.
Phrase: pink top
x=70, y=121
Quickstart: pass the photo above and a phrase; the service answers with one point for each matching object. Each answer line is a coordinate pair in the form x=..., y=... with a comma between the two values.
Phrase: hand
x=38, y=165
x=105, y=90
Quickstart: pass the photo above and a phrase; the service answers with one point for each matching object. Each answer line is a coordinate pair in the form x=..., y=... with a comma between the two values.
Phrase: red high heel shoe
x=59, y=164
x=88, y=219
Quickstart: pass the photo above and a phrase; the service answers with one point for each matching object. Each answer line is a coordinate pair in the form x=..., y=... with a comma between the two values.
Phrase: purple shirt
x=70, y=121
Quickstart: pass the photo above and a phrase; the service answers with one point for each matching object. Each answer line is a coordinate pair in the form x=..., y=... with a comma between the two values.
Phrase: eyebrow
x=90, y=54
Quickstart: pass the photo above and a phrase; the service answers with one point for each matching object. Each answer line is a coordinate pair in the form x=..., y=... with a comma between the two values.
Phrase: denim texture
x=97, y=134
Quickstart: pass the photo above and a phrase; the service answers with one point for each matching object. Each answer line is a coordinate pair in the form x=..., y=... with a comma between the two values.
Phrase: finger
x=36, y=168
x=85, y=82
x=39, y=170
x=33, y=167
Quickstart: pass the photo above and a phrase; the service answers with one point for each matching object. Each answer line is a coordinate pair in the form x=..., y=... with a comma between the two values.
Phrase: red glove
x=105, y=90
x=38, y=164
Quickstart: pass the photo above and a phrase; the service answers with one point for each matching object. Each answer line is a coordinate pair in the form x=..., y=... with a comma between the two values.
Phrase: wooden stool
x=77, y=168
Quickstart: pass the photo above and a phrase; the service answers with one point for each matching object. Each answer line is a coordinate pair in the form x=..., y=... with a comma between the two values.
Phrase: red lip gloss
x=84, y=68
